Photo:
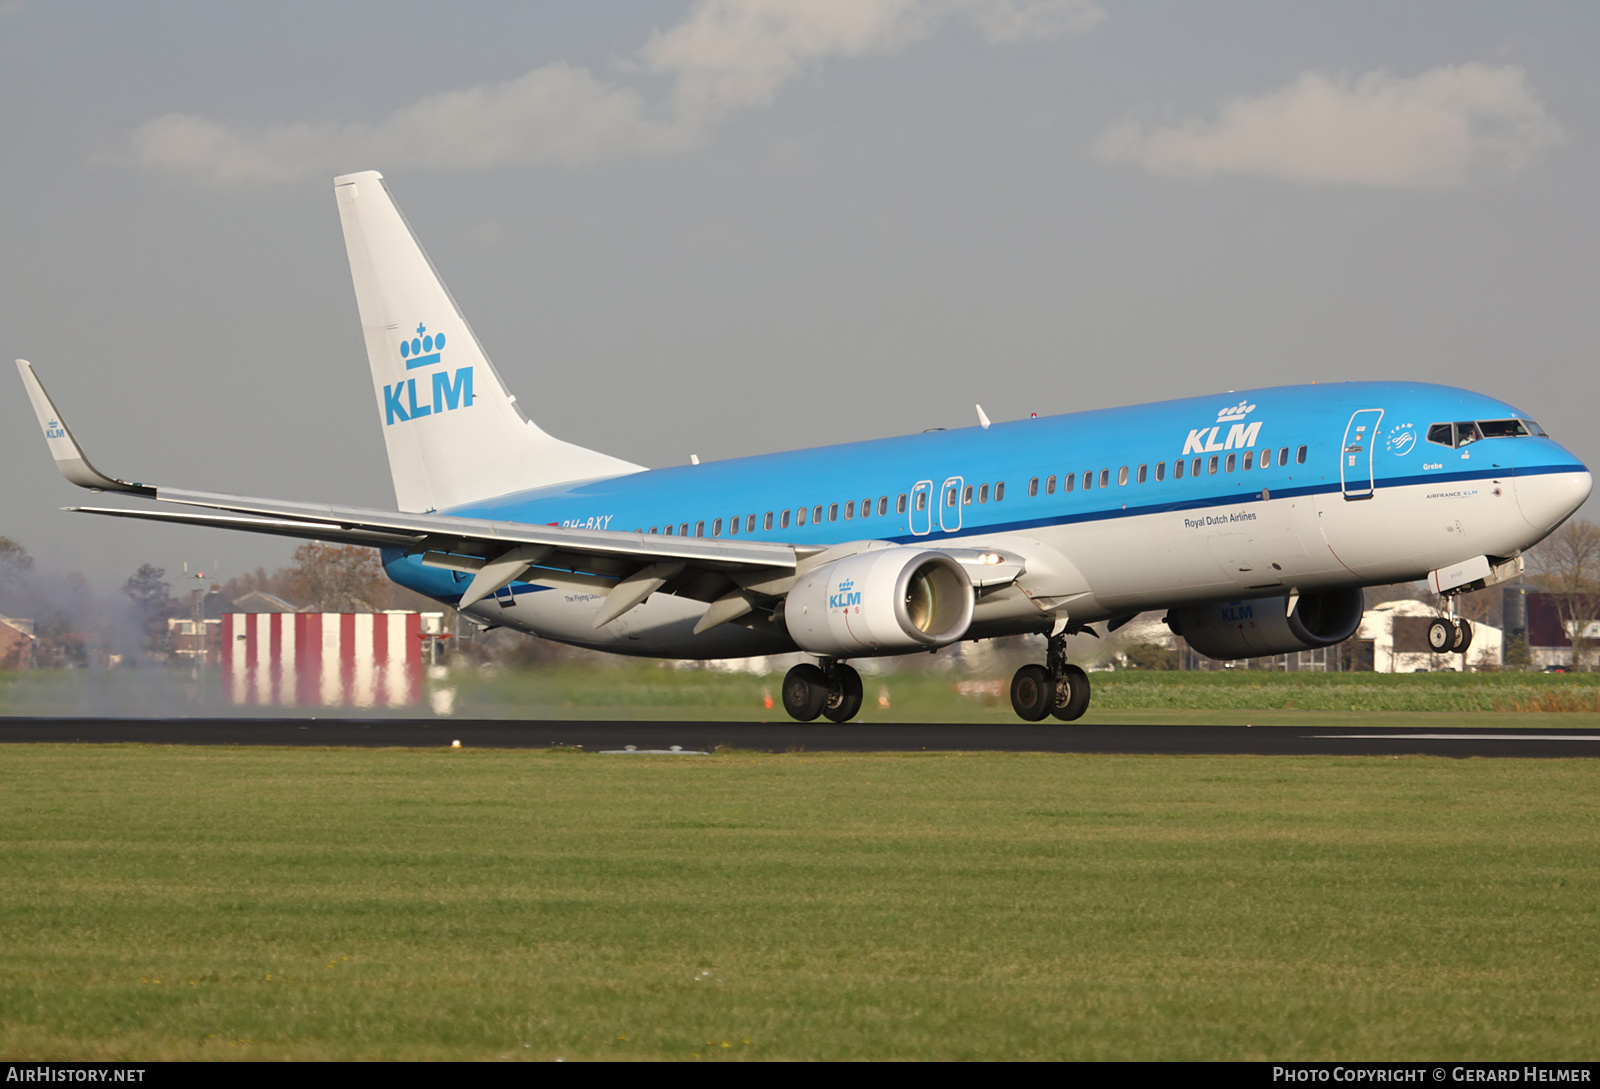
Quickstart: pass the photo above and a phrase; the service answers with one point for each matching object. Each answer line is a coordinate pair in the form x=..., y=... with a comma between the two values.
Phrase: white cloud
x=1447, y=127
x=726, y=56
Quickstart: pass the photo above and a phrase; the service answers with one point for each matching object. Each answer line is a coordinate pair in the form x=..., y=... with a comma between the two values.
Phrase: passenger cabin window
x=1033, y=487
x=849, y=511
x=1050, y=486
x=833, y=512
x=1144, y=473
x=1122, y=476
x=750, y=523
x=1211, y=469
x=1300, y=456
x=966, y=496
x=1068, y=481
x=1161, y=471
x=716, y=527
x=1088, y=481
x=816, y=514
x=983, y=493
x=1194, y=470
x=683, y=530
x=1105, y=478
x=883, y=505
x=950, y=497
x=1232, y=461
x=699, y=529
x=999, y=491
x=900, y=504
x=1249, y=460
x=1283, y=456
x=733, y=525
x=800, y=517
x=1177, y=470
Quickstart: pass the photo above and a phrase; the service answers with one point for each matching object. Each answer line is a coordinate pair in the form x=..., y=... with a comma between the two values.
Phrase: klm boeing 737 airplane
x=1252, y=520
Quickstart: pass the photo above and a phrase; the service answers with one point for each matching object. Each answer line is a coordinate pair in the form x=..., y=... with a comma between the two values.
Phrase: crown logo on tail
x=423, y=349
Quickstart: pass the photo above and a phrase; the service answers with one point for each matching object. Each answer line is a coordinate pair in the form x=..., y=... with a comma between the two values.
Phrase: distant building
x=1555, y=621
x=326, y=659
x=259, y=601
x=1399, y=634
x=17, y=643
x=190, y=636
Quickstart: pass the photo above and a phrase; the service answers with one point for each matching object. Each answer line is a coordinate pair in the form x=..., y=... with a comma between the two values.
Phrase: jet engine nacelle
x=884, y=600
x=1250, y=629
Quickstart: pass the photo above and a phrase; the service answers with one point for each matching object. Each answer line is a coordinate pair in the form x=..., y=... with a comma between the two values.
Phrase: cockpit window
x=1465, y=432
x=1501, y=429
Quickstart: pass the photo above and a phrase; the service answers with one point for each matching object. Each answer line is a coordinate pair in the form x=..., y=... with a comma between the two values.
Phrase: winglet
x=64, y=448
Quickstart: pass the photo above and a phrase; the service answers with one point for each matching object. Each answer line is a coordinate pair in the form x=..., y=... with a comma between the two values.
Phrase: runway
x=811, y=737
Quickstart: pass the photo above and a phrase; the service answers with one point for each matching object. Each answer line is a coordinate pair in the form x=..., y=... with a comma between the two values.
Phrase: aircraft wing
x=733, y=576
x=496, y=553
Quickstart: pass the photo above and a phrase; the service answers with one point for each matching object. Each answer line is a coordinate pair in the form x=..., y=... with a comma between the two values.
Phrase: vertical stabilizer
x=454, y=433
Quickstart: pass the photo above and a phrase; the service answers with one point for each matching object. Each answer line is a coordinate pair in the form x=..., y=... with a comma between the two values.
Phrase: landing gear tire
x=1072, y=694
x=1463, y=638
x=805, y=692
x=1441, y=635
x=1033, y=693
x=843, y=700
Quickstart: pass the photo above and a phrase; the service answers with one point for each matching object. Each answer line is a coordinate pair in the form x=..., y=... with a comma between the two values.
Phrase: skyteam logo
x=846, y=597
x=1241, y=436
x=450, y=390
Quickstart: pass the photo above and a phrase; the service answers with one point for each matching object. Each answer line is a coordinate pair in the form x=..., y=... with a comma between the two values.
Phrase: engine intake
x=1251, y=629
x=880, y=601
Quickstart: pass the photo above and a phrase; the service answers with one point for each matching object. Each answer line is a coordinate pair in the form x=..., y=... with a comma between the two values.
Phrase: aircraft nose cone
x=1546, y=499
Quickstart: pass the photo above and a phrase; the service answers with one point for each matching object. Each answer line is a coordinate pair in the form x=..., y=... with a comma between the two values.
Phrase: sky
x=728, y=227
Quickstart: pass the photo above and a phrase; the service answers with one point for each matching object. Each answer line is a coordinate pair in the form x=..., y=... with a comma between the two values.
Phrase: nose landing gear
x=1056, y=688
x=832, y=690
x=1447, y=634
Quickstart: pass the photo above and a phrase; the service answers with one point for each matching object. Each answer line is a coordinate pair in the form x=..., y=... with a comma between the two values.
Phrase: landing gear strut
x=1056, y=688
x=1448, y=635
x=832, y=690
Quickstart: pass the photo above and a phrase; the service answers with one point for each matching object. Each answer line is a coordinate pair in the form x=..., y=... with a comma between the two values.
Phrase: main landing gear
x=1056, y=688
x=832, y=690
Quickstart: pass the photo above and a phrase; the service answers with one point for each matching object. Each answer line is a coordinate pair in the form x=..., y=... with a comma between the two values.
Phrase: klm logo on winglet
x=54, y=430
x=450, y=391
x=1241, y=436
x=846, y=597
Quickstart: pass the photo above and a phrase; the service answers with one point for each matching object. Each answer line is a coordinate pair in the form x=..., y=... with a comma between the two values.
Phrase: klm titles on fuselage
x=1241, y=436
x=450, y=390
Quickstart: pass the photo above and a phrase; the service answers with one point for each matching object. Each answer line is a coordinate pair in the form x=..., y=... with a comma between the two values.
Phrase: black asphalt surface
x=813, y=737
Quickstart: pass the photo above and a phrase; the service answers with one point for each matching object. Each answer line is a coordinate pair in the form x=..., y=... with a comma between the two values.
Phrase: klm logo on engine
x=1236, y=611
x=1240, y=436
x=846, y=596
x=448, y=391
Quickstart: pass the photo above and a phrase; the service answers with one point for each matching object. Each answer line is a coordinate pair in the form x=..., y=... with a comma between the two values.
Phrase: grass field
x=267, y=903
x=630, y=689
